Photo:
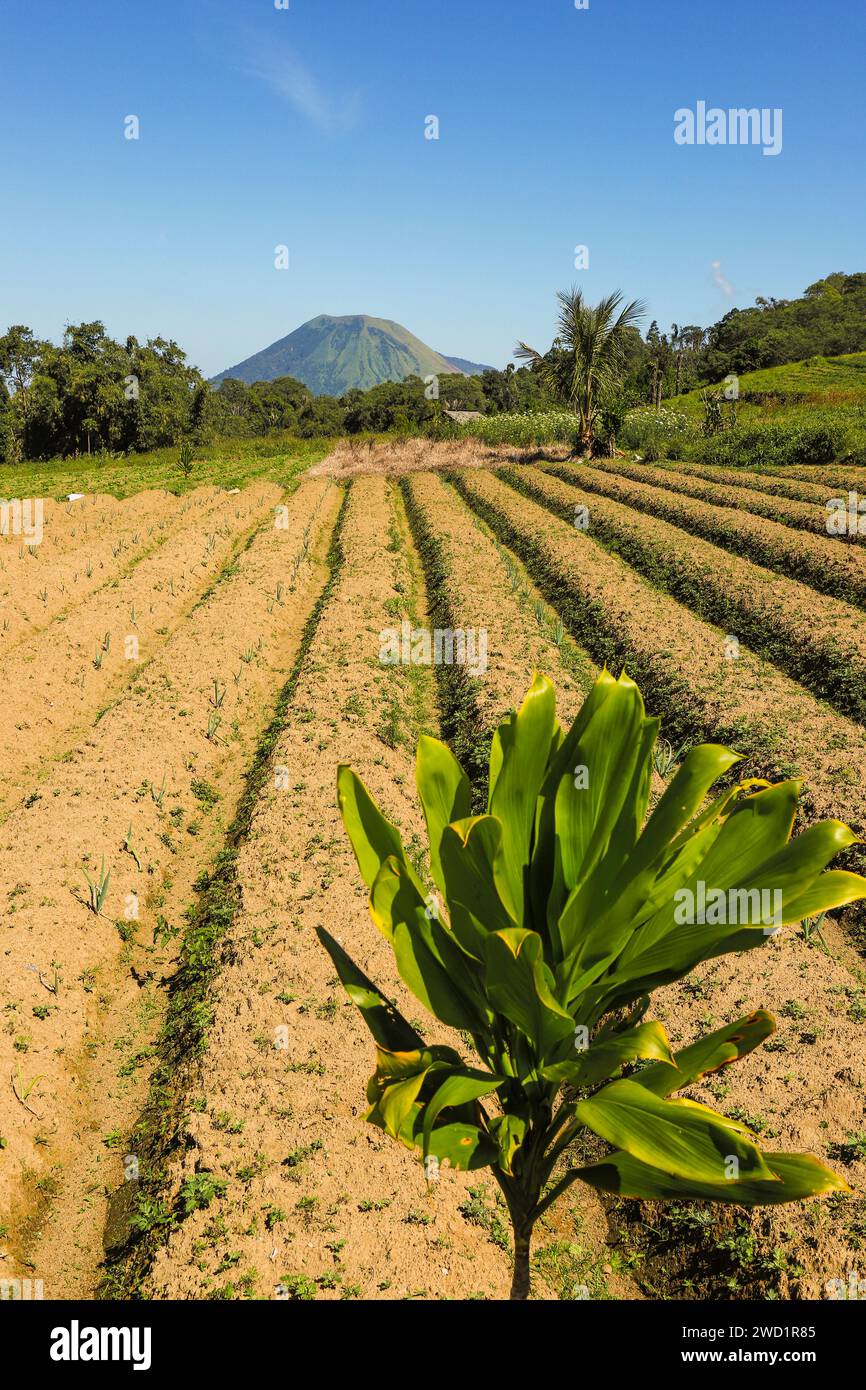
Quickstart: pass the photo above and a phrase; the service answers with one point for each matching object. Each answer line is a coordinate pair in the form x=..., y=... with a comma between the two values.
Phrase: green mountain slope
x=332, y=355
x=818, y=381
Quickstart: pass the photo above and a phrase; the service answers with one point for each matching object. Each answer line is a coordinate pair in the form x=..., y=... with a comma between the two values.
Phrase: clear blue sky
x=306, y=127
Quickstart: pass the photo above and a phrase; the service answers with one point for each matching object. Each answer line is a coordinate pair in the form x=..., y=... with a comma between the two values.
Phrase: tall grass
x=524, y=431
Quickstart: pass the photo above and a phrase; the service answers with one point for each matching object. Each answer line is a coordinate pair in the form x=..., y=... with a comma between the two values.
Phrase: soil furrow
x=304, y=1199
x=89, y=657
x=826, y=564
x=799, y=515
x=686, y=668
x=819, y=641
x=146, y=796
x=86, y=547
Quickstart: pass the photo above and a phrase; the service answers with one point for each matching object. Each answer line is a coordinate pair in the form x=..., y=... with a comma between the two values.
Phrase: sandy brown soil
x=316, y=1203
x=783, y=721
x=85, y=546
x=802, y=1092
x=328, y=1199
x=482, y=594
x=826, y=563
x=143, y=605
x=816, y=1101
x=83, y=991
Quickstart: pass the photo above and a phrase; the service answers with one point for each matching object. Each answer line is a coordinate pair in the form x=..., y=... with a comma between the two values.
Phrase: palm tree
x=587, y=360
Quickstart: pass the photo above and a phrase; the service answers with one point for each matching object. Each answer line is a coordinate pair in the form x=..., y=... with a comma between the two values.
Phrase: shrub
x=555, y=916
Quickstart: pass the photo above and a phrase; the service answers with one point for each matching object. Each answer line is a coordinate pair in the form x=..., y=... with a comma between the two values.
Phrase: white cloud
x=724, y=285
x=280, y=68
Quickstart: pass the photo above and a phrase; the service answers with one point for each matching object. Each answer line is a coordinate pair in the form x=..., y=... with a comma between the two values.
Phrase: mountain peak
x=333, y=354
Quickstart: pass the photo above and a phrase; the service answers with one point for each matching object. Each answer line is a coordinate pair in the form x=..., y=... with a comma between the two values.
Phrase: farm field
x=183, y=1117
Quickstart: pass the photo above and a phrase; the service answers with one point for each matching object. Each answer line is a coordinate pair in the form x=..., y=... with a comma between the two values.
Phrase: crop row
x=818, y=640
x=823, y=563
x=773, y=483
x=682, y=663
x=298, y=1195
x=87, y=657
x=82, y=551
x=800, y=516
x=470, y=586
x=134, y=809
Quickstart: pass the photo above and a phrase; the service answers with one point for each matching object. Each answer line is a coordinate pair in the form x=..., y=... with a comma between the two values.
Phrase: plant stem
x=520, y=1277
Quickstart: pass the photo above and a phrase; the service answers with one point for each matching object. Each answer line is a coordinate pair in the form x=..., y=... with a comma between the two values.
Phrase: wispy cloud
x=724, y=285
x=279, y=67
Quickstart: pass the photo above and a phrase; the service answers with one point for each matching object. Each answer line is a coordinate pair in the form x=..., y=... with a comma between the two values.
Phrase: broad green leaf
x=717, y=1050
x=509, y=1132
x=445, y=795
x=834, y=889
x=420, y=946
x=474, y=871
x=373, y=838
x=458, y=1089
x=519, y=985
x=601, y=1059
x=464, y=1146
x=387, y=1025
x=397, y=1101
x=548, y=895
x=700, y=769
x=524, y=742
x=599, y=808
x=687, y=1140
x=797, y=1176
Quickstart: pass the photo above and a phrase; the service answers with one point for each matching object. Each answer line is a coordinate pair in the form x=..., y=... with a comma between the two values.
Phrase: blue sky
x=305, y=127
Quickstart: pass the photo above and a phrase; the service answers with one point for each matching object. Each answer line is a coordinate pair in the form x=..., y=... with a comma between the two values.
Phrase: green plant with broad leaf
x=548, y=923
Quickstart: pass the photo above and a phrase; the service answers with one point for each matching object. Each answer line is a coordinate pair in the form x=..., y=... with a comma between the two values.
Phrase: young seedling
x=23, y=1090
x=213, y=725
x=218, y=694
x=666, y=757
x=159, y=796
x=549, y=922
x=98, y=660
x=129, y=847
x=96, y=892
x=813, y=932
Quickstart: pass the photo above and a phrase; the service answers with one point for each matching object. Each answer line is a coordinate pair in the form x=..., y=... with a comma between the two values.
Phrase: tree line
x=92, y=393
